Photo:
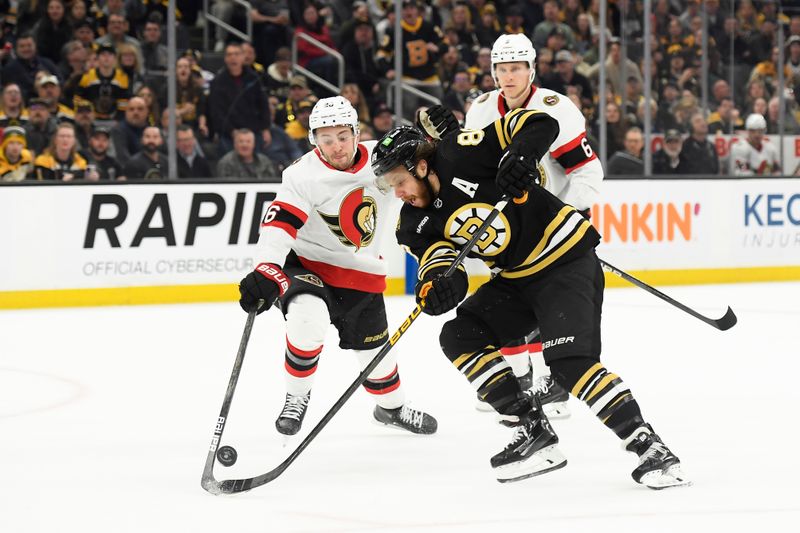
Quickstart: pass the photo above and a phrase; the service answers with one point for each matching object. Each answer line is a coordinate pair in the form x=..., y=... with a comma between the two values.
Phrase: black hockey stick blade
x=233, y=486
x=726, y=322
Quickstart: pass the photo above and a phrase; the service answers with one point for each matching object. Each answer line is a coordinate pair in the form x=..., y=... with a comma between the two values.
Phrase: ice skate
x=525, y=383
x=533, y=449
x=406, y=418
x=658, y=468
x=294, y=410
x=553, y=396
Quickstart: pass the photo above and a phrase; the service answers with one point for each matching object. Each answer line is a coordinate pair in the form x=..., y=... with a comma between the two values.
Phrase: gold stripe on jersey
x=564, y=231
x=501, y=135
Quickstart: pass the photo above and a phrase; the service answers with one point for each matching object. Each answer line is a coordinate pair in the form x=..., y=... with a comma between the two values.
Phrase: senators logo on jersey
x=355, y=223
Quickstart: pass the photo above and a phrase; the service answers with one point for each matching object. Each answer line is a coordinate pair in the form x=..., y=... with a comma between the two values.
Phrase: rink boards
x=184, y=242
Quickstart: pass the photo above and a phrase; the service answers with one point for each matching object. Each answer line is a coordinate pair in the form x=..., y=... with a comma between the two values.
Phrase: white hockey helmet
x=755, y=121
x=513, y=47
x=333, y=111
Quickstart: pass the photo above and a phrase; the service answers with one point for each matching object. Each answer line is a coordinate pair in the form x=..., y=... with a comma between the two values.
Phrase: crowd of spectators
x=84, y=81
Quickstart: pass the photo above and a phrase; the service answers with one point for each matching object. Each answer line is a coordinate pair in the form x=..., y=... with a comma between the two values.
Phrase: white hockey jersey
x=572, y=170
x=330, y=219
x=747, y=160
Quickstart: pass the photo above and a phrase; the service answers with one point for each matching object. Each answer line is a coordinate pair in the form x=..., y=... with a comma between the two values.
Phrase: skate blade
x=665, y=479
x=544, y=461
x=556, y=410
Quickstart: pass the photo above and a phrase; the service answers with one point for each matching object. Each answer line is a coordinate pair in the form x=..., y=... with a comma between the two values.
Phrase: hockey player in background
x=546, y=274
x=752, y=156
x=569, y=169
x=319, y=258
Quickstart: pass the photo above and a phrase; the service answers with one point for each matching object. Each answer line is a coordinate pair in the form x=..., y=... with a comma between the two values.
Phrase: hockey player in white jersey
x=319, y=258
x=570, y=170
x=752, y=156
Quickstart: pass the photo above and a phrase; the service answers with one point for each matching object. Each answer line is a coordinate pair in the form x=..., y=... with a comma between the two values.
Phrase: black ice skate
x=294, y=410
x=553, y=397
x=406, y=418
x=533, y=449
x=658, y=468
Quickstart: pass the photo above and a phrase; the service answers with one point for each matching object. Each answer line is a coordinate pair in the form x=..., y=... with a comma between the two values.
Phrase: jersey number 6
x=271, y=213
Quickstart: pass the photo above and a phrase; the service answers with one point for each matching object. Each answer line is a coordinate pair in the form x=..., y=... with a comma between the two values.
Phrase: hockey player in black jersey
x=546, y=273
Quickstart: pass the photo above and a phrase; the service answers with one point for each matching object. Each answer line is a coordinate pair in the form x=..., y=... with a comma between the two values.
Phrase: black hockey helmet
x=396, y=148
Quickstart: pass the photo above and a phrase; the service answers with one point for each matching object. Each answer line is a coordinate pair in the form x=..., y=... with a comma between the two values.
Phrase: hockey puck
x=226, y=455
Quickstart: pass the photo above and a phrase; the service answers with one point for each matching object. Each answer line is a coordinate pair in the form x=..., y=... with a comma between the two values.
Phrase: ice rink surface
x=106, y=415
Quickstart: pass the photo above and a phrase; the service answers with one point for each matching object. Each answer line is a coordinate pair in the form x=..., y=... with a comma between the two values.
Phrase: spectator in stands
x=485, y=82
x=449, y=64
x=53, y=31
x=106, y=87
x=270, y=23
x=551, y=11
x=667, y=160
x=205, y=77
x=108, y=168
x=190, y=100
x=353, y=95
x=616, y=126
x=665, y=118
x=628, y=162
x=793, y=58
x=565, y=76
x=298, y=91
x=359, y=60
x=83, y=32
x=153, y=107
x=456, y=96
x=515, y=20
x=613, y=65
x=297, y=129
x=150, y=163
x=759, y=106
x=382, y=119
x=773, y=116
x=77, y=12
x=282, y=150
x=84, y=124
x=127, y=133
x=237, y=101
x=359, y=16
x=41, y=127
x=719, y=90
x=423, y=43
x=584, y=33
x=61, y=160
x=128, y=61
x=74, y=63
x=49, y=90
x=698, y=154
x=154, y=53
x=461, y=24
x=23, y=68
x=117, y=33
x=762, y=41
x=12, y=107
x=249, y=60
x=191, y=163
x=725, y=119
x=311, y=56
x=243, y=161
x=544, y=60
x=16, y=161
x=489, y=29
x=279, y=73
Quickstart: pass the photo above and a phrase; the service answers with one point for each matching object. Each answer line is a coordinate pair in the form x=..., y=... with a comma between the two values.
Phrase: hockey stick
x=727, y=321
x=232, y=486
x=208, y=482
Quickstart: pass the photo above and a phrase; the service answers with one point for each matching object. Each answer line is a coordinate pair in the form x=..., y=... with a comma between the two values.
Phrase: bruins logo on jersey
x=550, y=99
x=355, y=223
x=464, y=222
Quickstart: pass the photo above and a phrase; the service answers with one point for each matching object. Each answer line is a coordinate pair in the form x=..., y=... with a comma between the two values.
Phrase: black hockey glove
x=441, y=294
x=267, y=282
x=437, y=122
x=517, y=174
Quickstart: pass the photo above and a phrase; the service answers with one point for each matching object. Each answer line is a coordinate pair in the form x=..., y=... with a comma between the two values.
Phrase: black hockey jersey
x=525, y=239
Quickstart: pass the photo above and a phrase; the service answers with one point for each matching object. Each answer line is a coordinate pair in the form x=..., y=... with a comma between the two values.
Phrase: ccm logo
x=275, y=275
x=554, y=342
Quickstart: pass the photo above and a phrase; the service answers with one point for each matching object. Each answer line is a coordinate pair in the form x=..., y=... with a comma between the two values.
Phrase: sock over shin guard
x=383, y=384
x=604, y=392
x=307, y=321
